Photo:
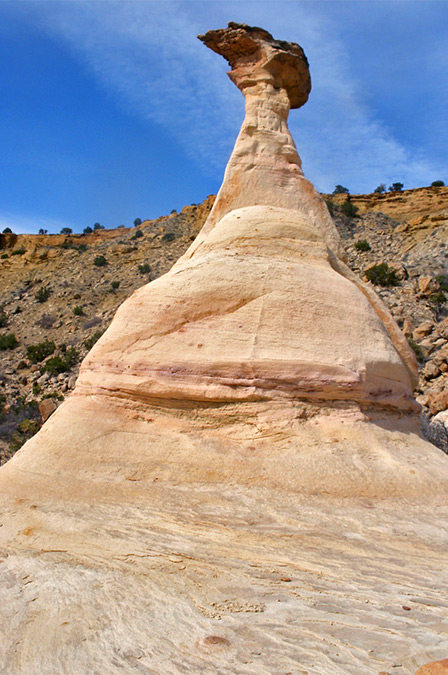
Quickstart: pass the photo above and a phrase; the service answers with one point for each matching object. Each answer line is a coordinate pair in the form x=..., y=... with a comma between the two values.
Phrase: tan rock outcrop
x=236, y=484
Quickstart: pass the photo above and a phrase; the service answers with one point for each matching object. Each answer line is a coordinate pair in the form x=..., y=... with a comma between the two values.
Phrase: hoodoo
x=237, y=483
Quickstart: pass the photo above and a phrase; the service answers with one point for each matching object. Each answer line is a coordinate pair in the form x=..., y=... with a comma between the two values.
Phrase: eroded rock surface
x=237, y=483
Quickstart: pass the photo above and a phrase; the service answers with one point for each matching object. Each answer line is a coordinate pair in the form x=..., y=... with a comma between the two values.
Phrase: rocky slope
x=408, y=231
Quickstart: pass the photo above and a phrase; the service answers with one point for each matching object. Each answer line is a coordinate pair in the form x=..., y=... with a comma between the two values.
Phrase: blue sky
x=114, y=110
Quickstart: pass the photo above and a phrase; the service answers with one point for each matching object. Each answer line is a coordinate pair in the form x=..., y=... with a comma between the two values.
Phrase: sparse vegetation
x=78, y=310
x=382, y=275
x=99, y=261
x=4, y=256
x=7, y=230
x=137, y=235
x=330, y=206
x=97, y=226
x=349, y=209
x=87, y=230
x=437, y=183
x=61, y=364
x=168, y=236
x=43, y=231
x=442, y=280
x=39, y=352
x=8, y=341
x=137, y=222
x=66, y=230
x=416, y=347
x=18, y=251
x=43, y=294
x=25, y=430
x=362, y=245
x=92, y=339
x=3, y=317
x=380, y=189
x=144, y=269
x=115, y=285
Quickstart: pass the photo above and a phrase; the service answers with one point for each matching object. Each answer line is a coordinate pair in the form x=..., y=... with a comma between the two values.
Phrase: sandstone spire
x=237, y=464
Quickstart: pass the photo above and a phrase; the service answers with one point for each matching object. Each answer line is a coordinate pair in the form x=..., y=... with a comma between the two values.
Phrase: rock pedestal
x=237, y=483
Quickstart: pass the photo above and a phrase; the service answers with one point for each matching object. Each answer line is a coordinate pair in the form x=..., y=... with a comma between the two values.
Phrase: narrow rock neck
x=265, y=168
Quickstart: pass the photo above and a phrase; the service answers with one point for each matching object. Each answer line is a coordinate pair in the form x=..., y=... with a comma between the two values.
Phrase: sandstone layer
x=237, y=483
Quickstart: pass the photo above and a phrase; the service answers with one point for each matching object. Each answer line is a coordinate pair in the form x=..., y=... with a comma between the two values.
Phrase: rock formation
x=237, y=483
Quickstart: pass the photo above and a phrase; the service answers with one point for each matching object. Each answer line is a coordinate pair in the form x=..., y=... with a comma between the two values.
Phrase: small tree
x=437, y=183
x=396, y=187
x=66, y=230
x=97, y=226
x=137, y=222
x=380, y=189
x=42, y=231
x=7, y=230
x=340, y=190
x=87, y=230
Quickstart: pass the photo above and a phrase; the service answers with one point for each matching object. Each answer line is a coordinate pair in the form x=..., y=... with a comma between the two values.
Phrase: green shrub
x=349, y=209
x=8, y=341
x=4, y=256
x=87, y=230
x=340, y=190
x=144, y=269
x=99, y=261
x=137, y=235
x=26, y=429
x=92, y=339
x=441, y=278
x=168, y=236
x=137, y=222
x=437, y=298
x=43, y=294
x=78, y=311
x=97, y=226
x=66, y=230
x=61, y=364
x=18, y=251
x=382, y=275
x=39, y=352
x=114, y=285
x=36, y=388
x=2, y=403
x=437, y=183
x=7, y=230
x=380, y=189
x=417, y=349
x=3, y=317
x=362, y=245
x=82, y=248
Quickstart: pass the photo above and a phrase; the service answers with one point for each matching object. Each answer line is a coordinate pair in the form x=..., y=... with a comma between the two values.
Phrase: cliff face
x=240, y=460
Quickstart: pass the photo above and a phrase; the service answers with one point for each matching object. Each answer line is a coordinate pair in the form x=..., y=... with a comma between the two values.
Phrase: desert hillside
x=60, y=292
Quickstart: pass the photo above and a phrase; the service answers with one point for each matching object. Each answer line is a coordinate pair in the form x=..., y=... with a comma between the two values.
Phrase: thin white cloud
x=147, y=54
